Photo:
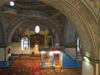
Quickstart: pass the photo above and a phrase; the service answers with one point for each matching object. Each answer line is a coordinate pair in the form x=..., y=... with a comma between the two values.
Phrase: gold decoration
x=95, y=4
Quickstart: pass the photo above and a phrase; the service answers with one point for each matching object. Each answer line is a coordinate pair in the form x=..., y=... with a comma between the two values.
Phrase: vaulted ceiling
x=25, y=12
x=83, y=14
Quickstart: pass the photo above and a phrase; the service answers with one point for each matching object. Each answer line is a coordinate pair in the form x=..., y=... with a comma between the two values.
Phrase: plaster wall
x=2, y=54
x=16, y=49
x=87, y=68
x=71, y=52
x=8, y=54
x=67, y=62
x=35, y=50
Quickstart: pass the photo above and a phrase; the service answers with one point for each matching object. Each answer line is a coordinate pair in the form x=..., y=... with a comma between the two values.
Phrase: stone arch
x=83, y=22
x=32, y=24
x=12, y=29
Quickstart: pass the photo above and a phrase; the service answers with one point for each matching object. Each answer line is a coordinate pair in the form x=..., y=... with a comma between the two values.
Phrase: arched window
x=78, y=46
x=24, y=43
x=37, y=29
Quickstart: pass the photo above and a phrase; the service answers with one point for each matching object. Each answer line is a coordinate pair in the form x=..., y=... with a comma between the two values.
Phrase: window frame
x=25, y=46
x=37, y=29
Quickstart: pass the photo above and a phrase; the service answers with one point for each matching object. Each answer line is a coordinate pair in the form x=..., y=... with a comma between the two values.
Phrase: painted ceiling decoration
x=7, y=16
x=13, y=14
x=70, y=35
x=95, y=4
x=90, y=4
x=36, y=6
x=94, y=7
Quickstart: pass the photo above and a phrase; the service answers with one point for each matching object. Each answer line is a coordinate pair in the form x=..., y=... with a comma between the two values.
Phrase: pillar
x=45, y=40
x=97, y=69
x=2, y=54
x=5, y=53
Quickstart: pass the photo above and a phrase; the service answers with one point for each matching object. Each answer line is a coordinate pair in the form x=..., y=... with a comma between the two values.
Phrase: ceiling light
x=11, y=3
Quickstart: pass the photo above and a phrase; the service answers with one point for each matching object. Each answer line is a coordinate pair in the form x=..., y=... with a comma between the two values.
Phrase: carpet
x=22, y=73
x=23, y=65
x=26, y=65
x=35, y=55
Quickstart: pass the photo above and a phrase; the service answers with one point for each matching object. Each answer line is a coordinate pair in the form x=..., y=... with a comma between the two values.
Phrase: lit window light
x=37, y=29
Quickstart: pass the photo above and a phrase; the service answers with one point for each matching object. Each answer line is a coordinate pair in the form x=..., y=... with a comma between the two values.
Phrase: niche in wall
x=36, y=39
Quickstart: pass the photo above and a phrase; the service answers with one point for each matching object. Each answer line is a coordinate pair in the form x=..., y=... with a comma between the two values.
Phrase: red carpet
x=35, y=55
x=26, y=65
x=23, y=66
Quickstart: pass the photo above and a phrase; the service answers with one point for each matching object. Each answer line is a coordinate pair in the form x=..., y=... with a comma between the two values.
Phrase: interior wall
x=45, y=33
x=28, y=32
x=8, y=52
x=2, y=54
x=16, y=49
x=87, y=68
x=71, y=52
x=5, y=53
x=67, y=62
x=35, y=50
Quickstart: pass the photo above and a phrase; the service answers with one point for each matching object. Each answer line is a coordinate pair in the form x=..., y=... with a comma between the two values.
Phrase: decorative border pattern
x=97, y=15
x=70, y=35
